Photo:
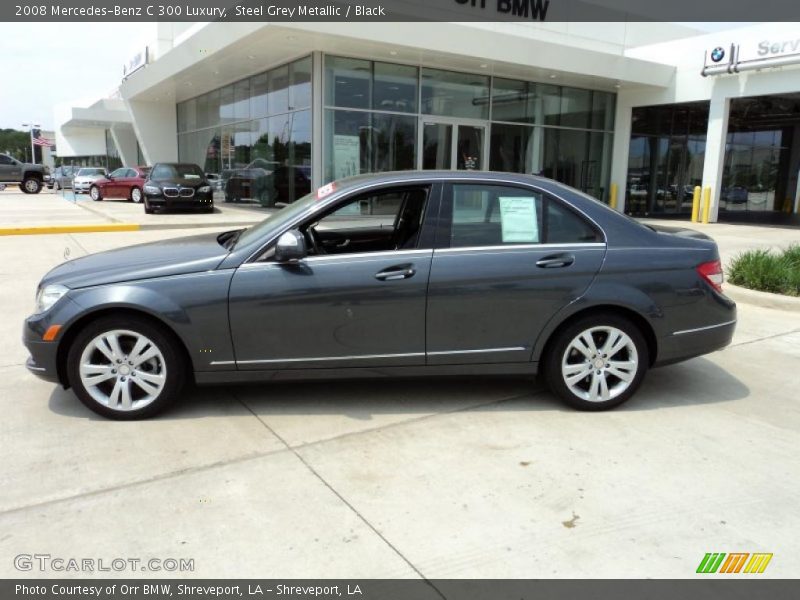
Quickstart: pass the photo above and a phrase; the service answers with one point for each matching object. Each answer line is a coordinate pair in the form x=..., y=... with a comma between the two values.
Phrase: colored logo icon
x=734, y=562
x=717, y=54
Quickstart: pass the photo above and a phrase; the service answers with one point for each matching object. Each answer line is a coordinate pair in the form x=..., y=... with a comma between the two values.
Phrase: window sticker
x=325, y=190
x=518, y=220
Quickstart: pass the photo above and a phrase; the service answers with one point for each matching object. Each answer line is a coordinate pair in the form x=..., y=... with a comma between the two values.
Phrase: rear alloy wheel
x=94, y=194
x=56, y=187
x=597, y=363
x=31, y=185
x=136, y=195
x=125, y=369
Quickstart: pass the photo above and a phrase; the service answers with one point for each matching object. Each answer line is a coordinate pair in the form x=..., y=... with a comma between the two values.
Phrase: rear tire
x=31, y=185
x=597, y=362
x=136, y=195
x=126, y=368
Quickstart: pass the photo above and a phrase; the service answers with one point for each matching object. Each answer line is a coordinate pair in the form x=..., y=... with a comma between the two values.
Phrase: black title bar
x=399, y=10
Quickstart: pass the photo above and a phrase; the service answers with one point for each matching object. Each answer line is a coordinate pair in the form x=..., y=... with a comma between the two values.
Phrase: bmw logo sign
x=717, y=54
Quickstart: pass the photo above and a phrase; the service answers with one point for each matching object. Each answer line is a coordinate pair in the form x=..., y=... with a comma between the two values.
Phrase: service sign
x=768, y=49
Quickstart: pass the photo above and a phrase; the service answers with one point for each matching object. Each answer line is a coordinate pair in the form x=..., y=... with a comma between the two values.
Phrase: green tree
x=16, y=143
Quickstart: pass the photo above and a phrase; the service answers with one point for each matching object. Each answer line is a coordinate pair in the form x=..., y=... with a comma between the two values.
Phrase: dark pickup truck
x=29, y=177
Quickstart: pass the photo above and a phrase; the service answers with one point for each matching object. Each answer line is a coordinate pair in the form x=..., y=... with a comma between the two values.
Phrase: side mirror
x=291, y=247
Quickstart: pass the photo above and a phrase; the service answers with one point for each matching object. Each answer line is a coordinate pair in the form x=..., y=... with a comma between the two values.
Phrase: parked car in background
x=177, y=186
x=251, y=182
x=125, y=182
x=85, y=177
x=62, y=177
x=48, y=178
x=735, y=195
x=30, y=177
x=406, y=273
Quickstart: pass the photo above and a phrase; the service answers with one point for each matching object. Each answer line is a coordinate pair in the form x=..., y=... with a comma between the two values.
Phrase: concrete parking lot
x=485, y=478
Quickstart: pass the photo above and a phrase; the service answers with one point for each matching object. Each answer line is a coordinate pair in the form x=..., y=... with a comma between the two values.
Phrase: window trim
x=424, y=240
x=444, y=231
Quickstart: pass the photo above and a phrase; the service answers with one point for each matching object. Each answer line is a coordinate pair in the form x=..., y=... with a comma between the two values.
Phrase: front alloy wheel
x=125, y=371
x=94, y=194
x=597, y=363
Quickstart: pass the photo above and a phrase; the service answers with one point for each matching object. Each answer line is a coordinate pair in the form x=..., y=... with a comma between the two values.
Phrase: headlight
x=48, y=296
x=152, y=189
x=204, y=189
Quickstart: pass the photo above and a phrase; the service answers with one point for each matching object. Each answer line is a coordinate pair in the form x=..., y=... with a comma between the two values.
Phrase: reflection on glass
x=395, y=87
x=393, y=142
x=348, y=82
x=511, y=148
x=455, y=94
x=436, y=145
x=514, y=101
x=258, y=99
x=278, y=90
x=300, y=88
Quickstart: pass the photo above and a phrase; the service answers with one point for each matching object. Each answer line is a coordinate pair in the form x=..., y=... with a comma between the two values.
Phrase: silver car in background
x=85, y=177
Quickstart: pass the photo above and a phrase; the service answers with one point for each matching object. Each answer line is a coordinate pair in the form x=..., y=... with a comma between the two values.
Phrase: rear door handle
x=555, y=261
x=396, y=273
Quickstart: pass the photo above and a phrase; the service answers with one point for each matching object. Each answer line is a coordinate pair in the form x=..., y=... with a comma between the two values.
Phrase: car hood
x=193, y=183
x=145, y=261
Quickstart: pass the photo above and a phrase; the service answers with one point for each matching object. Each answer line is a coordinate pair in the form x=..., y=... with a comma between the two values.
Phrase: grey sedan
x=412, y=273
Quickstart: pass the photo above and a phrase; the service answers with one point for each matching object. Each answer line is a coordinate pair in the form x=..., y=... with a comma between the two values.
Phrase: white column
x=125, y=141
x=156, y=127
x=716, y=138
x=622, y=143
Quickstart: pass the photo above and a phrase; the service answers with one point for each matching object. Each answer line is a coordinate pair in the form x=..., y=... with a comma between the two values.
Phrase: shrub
x=778, y=273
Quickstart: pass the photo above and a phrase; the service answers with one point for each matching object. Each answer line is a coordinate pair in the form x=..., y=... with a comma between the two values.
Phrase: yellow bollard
x=696, y=203
x=612, y=201
x=706, y=204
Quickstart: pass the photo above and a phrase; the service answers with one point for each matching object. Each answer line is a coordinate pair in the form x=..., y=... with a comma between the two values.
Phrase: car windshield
x=86, y=172
x=176, y=171
x=284, y=216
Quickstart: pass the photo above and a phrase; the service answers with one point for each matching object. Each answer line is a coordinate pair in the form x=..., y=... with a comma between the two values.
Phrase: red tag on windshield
x=325, y=190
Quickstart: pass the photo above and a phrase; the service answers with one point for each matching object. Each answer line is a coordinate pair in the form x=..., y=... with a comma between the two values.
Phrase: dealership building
x=635, y=114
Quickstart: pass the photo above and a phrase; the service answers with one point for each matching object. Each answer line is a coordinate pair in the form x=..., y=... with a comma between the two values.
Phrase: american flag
x=38, y=140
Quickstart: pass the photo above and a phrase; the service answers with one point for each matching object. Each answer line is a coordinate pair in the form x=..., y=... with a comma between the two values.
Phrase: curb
x=55, y=229
x=763, y=299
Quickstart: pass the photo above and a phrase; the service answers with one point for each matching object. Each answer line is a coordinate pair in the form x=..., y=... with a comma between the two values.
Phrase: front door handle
x=396, y=273
x=555, y=261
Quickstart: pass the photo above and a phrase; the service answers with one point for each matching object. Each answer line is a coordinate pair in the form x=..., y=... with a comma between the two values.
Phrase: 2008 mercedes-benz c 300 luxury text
x=413, y=273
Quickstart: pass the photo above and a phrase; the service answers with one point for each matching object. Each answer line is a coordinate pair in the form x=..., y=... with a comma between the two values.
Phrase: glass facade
x=762, y=157
x=376, y=111
x=665, y=161
x=254, y=133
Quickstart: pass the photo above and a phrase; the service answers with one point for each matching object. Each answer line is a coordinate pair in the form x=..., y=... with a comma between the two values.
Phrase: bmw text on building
x=635, y=114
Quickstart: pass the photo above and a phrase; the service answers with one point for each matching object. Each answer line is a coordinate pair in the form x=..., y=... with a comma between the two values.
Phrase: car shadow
x=698, y=381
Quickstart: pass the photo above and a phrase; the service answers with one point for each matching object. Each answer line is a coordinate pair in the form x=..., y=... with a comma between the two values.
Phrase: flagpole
x=33, y=125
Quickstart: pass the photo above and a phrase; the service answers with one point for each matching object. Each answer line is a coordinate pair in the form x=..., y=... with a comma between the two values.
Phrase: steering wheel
x=316, y=241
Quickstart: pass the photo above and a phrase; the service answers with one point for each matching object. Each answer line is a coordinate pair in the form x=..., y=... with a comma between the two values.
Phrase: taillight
x=711, y=271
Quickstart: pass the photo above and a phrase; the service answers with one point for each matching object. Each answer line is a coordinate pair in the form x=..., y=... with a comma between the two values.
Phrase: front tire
x=94, y=194
x=597, y=362
x=125, y=368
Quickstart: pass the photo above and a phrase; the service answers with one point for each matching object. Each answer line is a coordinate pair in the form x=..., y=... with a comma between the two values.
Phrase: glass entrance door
x=460, y=146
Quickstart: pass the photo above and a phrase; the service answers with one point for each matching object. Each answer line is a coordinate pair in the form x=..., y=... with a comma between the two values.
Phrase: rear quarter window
x=567, y=227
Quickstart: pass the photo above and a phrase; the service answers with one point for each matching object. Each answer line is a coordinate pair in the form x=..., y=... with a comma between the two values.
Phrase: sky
x=45, y=64
x=78, y=63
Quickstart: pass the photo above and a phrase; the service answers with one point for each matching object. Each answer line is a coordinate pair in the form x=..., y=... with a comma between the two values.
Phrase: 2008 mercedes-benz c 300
x=412, y=273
